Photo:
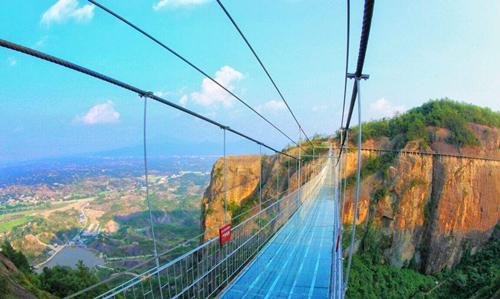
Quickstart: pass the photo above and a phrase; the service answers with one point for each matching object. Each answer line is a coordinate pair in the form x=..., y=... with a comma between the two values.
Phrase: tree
x=17, y=257
x=63, y=281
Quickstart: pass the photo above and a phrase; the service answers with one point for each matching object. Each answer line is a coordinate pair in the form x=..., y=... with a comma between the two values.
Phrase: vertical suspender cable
x=278, y=177
x=260, y=179
x=287, y=178
x=225, y=191
x=297, y=177
x=338, y=182
x=313, y=162
x=300, y=165
x=288, y=175
x=358, y=183
x=225, y=175
x=345, y=173
x=151, y=223
x=334, y=191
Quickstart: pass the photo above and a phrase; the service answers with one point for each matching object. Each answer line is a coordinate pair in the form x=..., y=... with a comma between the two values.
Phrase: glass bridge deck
x=296, y=263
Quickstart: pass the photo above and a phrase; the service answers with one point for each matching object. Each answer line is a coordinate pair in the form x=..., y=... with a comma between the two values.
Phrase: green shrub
x=445, y=113
x=64, y=281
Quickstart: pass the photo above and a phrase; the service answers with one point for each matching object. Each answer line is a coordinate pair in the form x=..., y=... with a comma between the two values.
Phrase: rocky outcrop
x=245, y=176
x=242, y=180
x=431, y=208
x=15, y=284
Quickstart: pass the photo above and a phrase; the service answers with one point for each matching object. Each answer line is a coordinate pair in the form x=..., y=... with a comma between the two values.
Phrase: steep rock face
x=410, y=181
x=431, y=208
x=466, y=208
x=243, y=175
x=279, y=176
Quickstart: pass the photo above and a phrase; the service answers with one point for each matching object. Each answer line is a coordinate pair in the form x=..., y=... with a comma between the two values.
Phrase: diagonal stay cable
x=192, y=65
x=263, y=67
x=141, y=92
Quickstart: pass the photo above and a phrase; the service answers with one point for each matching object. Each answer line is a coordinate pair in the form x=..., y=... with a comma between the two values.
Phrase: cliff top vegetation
x=442, y=113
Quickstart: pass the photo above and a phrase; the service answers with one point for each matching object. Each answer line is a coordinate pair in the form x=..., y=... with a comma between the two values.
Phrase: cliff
x=429, y=209
x=242, y=180
x=243, y=183
x=424, y=211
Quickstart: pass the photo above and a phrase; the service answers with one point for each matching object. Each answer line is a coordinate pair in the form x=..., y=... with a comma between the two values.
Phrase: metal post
x=358, y=183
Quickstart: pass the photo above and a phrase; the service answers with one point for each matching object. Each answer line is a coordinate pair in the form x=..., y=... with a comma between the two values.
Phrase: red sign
x=224, y=234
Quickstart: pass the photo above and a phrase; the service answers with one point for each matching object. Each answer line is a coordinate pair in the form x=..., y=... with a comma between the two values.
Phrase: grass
x=18, y=221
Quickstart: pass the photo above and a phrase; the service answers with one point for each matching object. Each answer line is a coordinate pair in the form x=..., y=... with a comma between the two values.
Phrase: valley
x=98, y=209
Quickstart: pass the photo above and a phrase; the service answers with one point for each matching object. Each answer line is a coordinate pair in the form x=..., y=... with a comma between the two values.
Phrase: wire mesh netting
x=203, y=271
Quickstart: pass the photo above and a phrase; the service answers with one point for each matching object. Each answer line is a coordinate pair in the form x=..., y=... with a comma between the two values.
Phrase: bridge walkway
x=297, y=262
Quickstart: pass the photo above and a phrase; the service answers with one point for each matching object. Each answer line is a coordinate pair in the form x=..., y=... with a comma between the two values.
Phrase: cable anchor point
x=146, y=94
x=360, y=77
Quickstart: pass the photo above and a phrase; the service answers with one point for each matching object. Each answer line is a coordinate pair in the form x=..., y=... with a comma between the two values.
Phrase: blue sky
x=418, y=50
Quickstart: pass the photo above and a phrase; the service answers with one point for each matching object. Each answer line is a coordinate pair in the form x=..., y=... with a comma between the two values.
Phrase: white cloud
x=271, y=106
x=64, y=10
x=41, y=42
x=103, y=113
x=177, y=3
x=384, y=108
x=184, y=100
x=161, y=93
x=11, y=61
x=211, y=94
x=320, y=108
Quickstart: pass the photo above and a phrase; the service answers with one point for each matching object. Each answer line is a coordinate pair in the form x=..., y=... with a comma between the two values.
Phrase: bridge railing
x=205, y=270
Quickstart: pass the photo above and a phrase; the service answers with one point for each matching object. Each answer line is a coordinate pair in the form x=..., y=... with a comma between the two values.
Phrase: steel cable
x=226, y=12
x=192, y=65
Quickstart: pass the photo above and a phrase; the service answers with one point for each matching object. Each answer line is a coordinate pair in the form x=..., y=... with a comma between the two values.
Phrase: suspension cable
x=363, y=45
x=142, y=92
x=356, y=200
x=191, y=64
x=346, y=58
x=226, y=12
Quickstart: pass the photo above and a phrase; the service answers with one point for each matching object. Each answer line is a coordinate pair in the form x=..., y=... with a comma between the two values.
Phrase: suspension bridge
x=290, y=247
